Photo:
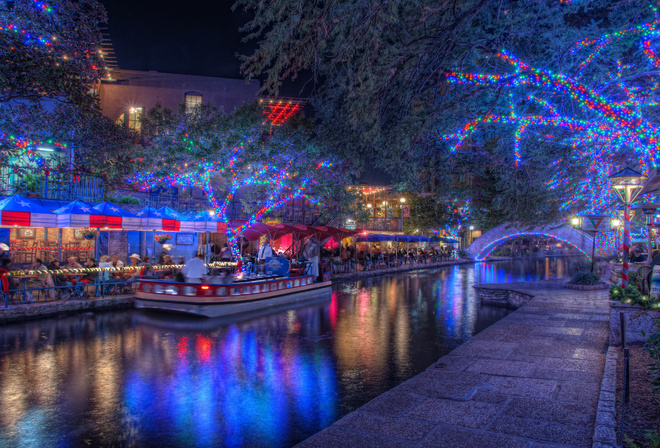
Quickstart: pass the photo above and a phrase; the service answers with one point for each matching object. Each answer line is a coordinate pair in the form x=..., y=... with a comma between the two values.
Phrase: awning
x=19, y=211
x=117, y=217
x=79, y=214
x=259, y=229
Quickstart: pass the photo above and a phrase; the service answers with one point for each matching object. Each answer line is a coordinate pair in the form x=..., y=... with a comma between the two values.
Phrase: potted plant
x=162, y=238
x=89, y=233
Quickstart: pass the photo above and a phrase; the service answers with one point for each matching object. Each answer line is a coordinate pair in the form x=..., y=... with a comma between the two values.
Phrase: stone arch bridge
x=488, y=241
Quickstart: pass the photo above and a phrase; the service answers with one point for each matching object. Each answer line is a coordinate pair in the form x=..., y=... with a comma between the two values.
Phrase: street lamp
x=575, y=222
x=402, y=201
x=627, y=184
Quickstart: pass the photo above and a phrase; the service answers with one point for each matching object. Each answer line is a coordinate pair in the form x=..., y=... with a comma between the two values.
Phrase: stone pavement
x=531, y=380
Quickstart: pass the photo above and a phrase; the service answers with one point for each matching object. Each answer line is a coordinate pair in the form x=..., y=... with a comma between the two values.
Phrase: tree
x=234, y=155
x=50, y=50
x=97, y=144
x=50, y=62
x=388, y=86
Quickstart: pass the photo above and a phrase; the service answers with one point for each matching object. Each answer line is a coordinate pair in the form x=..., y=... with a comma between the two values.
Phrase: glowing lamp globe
x=627, y=184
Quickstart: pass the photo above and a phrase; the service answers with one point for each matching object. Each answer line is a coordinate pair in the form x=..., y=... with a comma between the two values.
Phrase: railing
x=70, y=291
x=63, y=185
x=382, y=224
x=336, y=265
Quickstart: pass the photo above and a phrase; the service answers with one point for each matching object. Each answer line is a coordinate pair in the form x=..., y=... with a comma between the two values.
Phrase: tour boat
x=216, y=300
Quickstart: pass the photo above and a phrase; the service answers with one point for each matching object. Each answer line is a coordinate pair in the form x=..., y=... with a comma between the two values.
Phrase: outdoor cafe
x=57, y=251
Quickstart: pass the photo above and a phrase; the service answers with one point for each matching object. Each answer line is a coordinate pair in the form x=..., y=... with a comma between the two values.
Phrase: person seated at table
x=72, y=263
x=4, y=249
x=58, y=279
x=636, y=255
x=9, y=282
x=41, y=280
x=133, y=275
x=116, y=262
x=147, y=271
x=90, y=277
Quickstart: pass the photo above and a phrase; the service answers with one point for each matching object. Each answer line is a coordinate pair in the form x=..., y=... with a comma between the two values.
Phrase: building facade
x=130, y=93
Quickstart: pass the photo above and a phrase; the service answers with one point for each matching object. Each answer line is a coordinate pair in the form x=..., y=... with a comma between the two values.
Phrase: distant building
x=130, y=93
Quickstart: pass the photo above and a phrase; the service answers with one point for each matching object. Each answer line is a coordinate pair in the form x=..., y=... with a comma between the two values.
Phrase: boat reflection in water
x=136, y=378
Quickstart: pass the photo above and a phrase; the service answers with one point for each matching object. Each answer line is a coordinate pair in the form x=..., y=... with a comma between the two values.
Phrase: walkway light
x=402, y=200
x=627, y=184
x=575, y=221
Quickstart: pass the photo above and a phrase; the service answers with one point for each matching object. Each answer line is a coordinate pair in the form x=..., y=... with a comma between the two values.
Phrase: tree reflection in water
x=132, y=378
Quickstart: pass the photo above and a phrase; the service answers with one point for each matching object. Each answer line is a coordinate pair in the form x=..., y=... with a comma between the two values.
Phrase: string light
x=607, y=127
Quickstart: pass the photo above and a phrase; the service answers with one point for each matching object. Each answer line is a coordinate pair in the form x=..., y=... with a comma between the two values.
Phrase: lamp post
x=470, y=239
x=627, y=184
x=616, y=223
x=403, y=203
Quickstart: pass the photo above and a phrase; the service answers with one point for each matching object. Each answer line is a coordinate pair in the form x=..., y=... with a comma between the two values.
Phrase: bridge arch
x=488, y=241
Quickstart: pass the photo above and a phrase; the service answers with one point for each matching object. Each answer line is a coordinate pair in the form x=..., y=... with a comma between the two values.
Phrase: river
x=136, y=378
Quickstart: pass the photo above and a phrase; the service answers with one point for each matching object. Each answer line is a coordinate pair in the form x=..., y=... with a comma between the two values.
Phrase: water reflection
x=143, y=379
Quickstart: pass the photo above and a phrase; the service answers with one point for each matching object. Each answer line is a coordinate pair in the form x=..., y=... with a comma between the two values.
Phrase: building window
x=135, y=119
x=193, y=100
x=121, y=119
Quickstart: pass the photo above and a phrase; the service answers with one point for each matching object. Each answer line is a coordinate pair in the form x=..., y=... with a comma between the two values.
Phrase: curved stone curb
x=605, y=428
x=603, y=285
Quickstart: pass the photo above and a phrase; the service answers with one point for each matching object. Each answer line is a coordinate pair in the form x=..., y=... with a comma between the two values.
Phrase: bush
x=462, y=253
x=653, y=347
x=124, y=199
x=631, y=294
x=585, y=278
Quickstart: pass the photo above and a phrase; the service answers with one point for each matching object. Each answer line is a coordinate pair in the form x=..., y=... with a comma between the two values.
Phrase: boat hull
x=226, y=306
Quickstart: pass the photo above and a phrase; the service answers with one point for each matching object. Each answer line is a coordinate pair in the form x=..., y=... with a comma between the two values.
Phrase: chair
x=644, y=279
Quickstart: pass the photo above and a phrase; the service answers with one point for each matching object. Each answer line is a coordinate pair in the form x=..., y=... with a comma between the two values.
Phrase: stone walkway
x=530, y=380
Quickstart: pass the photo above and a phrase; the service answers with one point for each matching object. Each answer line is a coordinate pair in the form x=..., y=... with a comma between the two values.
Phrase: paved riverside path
x=531, y=380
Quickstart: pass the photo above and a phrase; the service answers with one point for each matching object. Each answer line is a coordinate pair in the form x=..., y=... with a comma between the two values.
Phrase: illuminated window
x=135, y=119
x=120, y=120
x=193, y=100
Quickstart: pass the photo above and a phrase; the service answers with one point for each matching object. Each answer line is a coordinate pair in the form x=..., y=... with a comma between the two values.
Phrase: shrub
x=653, y=347
x=585, y=278
x=124, y=199
x=652, y=437
x=631, y=294
x=462, y=253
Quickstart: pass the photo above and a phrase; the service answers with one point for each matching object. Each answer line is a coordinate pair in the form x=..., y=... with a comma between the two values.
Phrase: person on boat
x=194, y=270
x=225, y=253
x=311, y=252
x=265, y=251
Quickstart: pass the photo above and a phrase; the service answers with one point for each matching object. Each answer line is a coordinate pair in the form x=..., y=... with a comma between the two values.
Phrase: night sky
x=193, y=37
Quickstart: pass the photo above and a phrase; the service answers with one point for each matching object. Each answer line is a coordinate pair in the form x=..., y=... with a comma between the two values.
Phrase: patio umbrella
x=19, y=211
x=150, y=219
x=259, y=229
x=207, y=222
x=79, y=214
x=117, y=217
x=174, y=221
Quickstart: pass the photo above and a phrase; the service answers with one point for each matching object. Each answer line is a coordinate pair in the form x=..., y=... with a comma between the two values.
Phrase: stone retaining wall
x=637, y=320
x=502, y=297
x=404, y=268
x=45, y=309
